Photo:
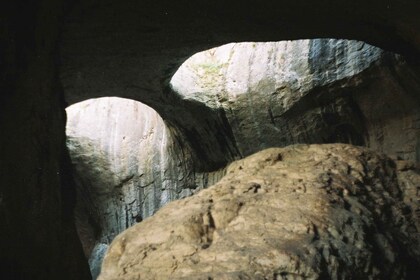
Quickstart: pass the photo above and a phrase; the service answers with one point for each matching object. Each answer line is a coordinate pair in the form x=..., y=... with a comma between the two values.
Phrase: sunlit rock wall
x=127, y=164
x=308, y=91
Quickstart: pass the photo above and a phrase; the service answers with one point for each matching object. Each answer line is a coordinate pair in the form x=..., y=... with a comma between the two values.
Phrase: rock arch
x=31, y=109
x=242, y=97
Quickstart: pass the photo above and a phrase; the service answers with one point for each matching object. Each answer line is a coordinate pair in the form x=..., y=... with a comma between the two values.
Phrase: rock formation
x=127, y=164
x=301, y=212
x=307, y=91
x=247, y=96
x=258, y=84
x=110, y=49
x=131, y=49
x=135, y=55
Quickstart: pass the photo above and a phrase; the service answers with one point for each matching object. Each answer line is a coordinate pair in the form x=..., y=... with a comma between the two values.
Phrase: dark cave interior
x=55, y=53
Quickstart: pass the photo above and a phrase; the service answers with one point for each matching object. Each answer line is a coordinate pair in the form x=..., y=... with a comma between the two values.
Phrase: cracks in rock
x=312, y=228
x=208, y=229
x=147, y=184
x=270, y=114
x=253, y=187
x=124, y=181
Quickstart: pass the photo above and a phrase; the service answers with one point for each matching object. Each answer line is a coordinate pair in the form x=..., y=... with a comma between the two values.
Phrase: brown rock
x=313, y=212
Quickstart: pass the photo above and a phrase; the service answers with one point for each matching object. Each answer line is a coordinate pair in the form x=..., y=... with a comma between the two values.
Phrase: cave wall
x=128, y=161
x=128, y=49
x=137, y=47
x=38, y=239
x=171, y=31
x=127, y=164
x=308, y=91
x=269, y=90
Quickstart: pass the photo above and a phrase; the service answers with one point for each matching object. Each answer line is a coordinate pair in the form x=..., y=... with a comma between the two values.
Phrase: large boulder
x=302, y=212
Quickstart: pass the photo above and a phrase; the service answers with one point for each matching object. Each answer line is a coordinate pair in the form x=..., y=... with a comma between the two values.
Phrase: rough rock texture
x=301, y=212
x=38, y=239
x=259, y=95
x=96, y=258
x=409, y=180
x=127, y=165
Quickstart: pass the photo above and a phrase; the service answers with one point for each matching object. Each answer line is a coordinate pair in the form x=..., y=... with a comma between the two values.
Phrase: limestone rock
x=219, y=77
x=307, y=91
x=259, y=85
x=120, y=149
x=301, y=212
x=127, y=164
x=136, y=45
x=96, y=258
x=227, y=103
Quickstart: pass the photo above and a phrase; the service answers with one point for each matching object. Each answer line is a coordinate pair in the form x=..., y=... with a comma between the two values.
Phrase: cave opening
x=119, y=150
x=222, y=104
x=126, y=164
x=108, y=48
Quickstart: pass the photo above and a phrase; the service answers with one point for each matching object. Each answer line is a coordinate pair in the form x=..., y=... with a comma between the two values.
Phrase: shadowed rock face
x=137, y=47
x=301, y=212
x=124, y=154
x=38, y=239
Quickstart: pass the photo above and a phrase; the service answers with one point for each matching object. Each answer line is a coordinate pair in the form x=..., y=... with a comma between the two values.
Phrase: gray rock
x=127, y=165
x=307, y=91
x=230, y=101
x=258, y=84
x=222, y=76
x=96, y=258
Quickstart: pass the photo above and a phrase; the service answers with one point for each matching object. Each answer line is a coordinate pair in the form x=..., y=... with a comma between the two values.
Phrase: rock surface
x=137, y=47
x=301, y=212
x=258, y=85
x=161, y=34
x=291, y=69
x=307, y=91
x=110, y=49
x=230, y=102
x=127, y=164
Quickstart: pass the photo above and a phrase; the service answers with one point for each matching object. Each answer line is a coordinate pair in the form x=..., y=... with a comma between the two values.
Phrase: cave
x=128, y=162
x=324, y=75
